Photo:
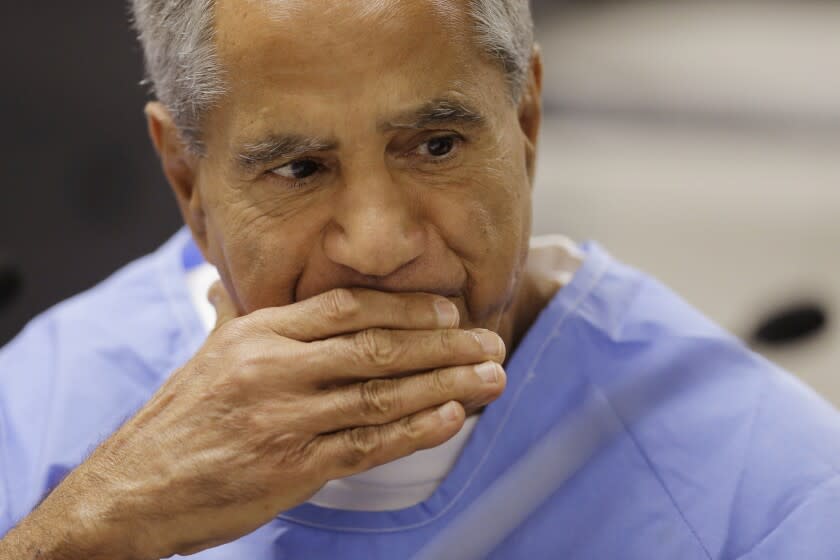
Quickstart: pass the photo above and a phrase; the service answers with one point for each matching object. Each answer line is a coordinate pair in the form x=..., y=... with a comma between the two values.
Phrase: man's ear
x=180, y=166
x=530, y=110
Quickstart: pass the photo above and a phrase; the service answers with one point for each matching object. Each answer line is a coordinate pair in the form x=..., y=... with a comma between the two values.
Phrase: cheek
x=487, y=223
x=495, y=202
x=262, y=244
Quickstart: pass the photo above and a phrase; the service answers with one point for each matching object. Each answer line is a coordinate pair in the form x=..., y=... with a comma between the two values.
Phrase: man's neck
x=552, y=262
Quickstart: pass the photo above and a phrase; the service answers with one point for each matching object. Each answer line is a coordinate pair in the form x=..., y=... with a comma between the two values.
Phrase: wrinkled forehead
x=312, y=44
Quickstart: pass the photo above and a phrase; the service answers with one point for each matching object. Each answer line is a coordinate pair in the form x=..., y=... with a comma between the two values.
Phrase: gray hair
x=184, y=74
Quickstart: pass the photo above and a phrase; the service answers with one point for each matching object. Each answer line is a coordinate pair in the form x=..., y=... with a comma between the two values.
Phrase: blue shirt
x=631, y=427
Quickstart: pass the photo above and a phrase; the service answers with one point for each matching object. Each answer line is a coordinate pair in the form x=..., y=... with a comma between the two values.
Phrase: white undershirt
x=553, y=260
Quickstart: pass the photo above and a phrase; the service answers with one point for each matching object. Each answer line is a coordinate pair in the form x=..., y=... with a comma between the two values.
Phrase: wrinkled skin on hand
x=277, y=403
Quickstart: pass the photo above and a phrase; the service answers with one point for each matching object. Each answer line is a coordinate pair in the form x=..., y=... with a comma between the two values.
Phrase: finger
x=382, y=353
x=222, y=303
x=347, y=310
x=381, y=401
x=353, y=451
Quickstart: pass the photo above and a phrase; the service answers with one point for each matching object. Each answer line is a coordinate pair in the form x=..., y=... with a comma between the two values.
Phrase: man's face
x=364, y=144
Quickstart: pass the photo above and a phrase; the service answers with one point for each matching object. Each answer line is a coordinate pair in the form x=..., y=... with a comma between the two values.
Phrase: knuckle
x=248, y=364
x=409, y=429
x=339, y=304
x=407, y=307
x=445, y=342
x=257, y=318
x=376, y=347
x=365, y=441
x=377, y=397
x=443, y=382
x=232, y=332
x=286, y=452
x=360, y=445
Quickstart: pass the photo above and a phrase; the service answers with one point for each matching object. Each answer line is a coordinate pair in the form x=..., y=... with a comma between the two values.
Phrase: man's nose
x=374, y=229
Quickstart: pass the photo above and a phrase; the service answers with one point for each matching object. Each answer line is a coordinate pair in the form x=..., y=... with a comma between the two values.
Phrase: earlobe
x=179, y=166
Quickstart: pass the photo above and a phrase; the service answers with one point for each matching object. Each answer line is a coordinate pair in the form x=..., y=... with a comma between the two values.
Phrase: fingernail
x=488, y=372
x=449, y=412
x=447, y=313
x=491, y=343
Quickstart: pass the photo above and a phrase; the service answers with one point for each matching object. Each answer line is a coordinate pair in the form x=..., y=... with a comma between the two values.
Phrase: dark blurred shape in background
x=81, y=190
x=10, y=282
x=792, y=324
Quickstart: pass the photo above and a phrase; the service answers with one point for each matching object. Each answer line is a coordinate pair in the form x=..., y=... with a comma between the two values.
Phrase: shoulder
x=81, y=368
x=740, y=446
x=135, y=310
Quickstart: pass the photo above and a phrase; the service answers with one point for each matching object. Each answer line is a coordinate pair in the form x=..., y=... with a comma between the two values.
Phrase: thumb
x=221, y=302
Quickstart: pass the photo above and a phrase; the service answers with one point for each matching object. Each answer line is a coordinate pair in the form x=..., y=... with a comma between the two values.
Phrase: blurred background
x=700, y=141
x=697, y=140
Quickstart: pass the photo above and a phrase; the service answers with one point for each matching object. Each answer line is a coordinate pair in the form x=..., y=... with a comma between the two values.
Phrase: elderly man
x=358, y=174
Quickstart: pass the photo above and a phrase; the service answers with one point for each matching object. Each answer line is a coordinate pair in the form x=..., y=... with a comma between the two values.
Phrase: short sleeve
x=25, y=368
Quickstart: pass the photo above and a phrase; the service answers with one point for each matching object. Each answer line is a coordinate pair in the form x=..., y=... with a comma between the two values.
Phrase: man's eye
x=298, y=169
x=439, y=147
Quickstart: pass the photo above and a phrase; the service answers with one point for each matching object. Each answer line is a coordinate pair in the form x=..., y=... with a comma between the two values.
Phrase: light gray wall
x=700, y=141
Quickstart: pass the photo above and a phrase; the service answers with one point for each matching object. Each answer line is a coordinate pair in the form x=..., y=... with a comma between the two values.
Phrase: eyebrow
x=437, y=112
x=280, y=146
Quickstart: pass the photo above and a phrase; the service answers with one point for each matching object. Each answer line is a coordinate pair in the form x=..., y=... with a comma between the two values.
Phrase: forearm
x=31, y=539
x=62, y=528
